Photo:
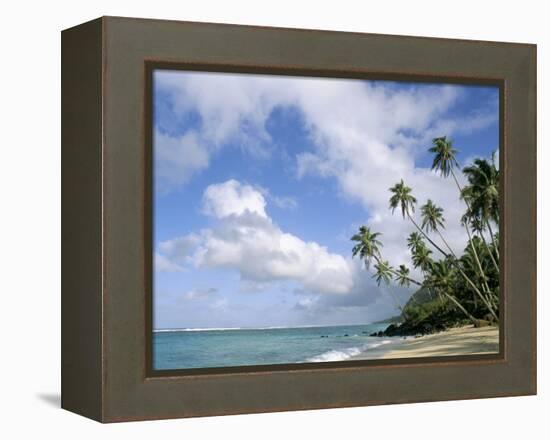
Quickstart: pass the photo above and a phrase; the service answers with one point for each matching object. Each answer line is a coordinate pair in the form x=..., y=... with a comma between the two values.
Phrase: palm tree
x=432, y=220
x=402, y=276
x=478, y=226
x=368, y=249
x=468, y=262
x=445, y=156
x=421, y=258
x=482, y=191
x=368, y=246
x=383, y=272
x=442, y=277
x=432, y=217
x=482, y=196
x=414, y=241
x=444, y=162
x=402, y=198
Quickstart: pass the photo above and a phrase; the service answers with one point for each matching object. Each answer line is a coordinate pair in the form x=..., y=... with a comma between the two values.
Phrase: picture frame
x=107, y=254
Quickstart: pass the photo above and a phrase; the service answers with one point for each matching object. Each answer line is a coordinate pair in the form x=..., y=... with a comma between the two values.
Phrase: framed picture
x=263, y=219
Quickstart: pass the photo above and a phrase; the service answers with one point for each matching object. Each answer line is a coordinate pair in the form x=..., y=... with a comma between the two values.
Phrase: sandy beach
x=457, y=341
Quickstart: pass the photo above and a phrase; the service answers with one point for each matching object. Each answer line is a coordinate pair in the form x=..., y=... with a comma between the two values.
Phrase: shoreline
x=466, y=340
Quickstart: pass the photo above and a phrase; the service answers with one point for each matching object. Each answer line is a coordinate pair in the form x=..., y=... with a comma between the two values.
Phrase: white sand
x=453, y=342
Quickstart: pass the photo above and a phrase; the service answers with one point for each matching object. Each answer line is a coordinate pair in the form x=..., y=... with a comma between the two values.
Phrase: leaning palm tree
x=402, y=198
x=482, y=189
x=479, y=227
x=432, y=220
x=383, y=272
x=432, y=216
x=403, y=276
x=482, y=196
x=368, y=246
x=368, y=249
x=442, y=278
x=468, y=262
x=445, y=156
x=415, y=241
x=444, y=162
x=421, y=258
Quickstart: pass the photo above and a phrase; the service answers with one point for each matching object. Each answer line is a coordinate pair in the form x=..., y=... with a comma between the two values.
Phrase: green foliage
x=432, y=316
x=421, y=296
x=383, y=272
x=455, y=288
x=432, y=217
x=402, y=276
x=368, y=246
x=444, y=156
x=402, y=198
x=482, y=190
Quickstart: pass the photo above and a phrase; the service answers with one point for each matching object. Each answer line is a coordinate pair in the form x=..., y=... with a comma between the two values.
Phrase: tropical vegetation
x=453, y=287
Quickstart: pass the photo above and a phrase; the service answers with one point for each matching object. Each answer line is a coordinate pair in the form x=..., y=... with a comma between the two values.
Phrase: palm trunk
x=395, y=300
x=395, y=273
x=489, y=250
x=426, y=236
x=455, y=263
x=431, y=289
x=485, y=285
x=492, y=238
x=476, y=258
x=456, y=303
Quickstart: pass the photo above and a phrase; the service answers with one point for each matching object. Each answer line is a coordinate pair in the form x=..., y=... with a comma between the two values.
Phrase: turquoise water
x=180, y=349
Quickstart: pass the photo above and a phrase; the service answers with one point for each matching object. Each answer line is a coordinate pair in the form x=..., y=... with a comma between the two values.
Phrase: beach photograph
x=304, y=220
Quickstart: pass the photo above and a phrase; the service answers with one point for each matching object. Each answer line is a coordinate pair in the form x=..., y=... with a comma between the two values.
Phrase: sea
x=175, y=349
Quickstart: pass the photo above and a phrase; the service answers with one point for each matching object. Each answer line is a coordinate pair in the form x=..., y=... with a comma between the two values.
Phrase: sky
x=261, y=180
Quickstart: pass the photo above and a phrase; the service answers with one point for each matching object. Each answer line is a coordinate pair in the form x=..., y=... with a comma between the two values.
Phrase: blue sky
x=260, y=181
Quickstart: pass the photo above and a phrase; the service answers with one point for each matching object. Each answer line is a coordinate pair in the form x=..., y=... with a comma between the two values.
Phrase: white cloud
x=201, y=294
x=283, y=202
x=176, y=251
x=208, y=297
x=178, y=158
x=232, y=198
x=248, y=241
x=365, y=135
x=163, y=264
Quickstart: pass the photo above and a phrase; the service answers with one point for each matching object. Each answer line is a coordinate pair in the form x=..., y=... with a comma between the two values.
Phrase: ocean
x=205, y=348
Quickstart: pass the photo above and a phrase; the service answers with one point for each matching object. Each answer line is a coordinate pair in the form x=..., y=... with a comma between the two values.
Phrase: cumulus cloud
x=246, y=239
x=233, y=199
x=176, y=252
x=164, y=264
x=366, y=135
x=177, y=158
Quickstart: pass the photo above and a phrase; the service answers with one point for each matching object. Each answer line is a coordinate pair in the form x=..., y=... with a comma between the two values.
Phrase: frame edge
x=81, y=217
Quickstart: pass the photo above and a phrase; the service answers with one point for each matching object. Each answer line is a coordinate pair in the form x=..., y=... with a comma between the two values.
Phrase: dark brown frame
x=106, y=215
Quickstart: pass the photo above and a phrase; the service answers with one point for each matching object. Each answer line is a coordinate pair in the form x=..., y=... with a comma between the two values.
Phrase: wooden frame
x=106, y=214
